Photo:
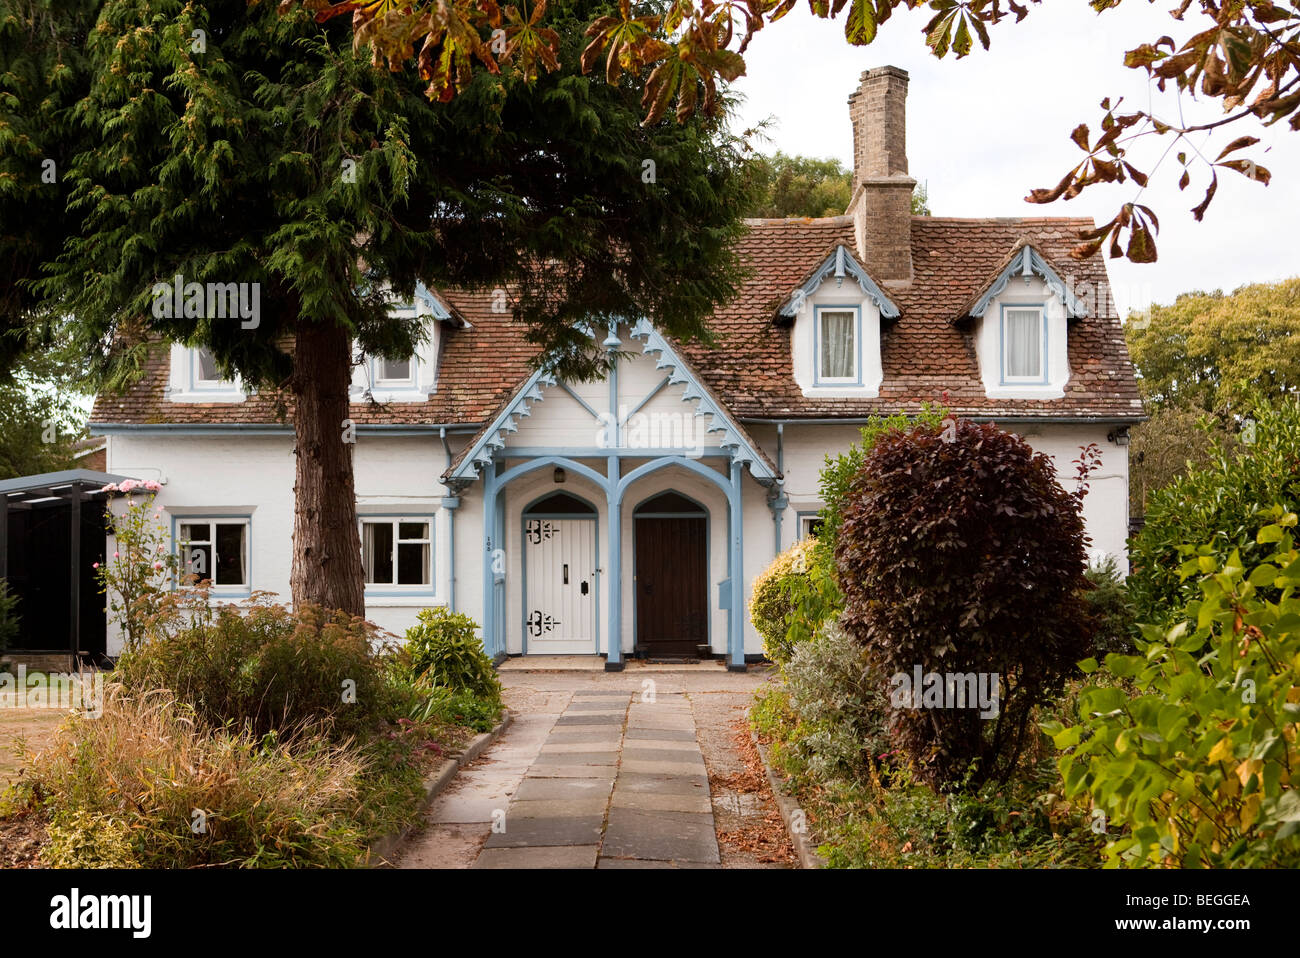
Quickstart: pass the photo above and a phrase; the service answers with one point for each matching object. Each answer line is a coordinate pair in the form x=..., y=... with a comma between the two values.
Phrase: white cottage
x=629, y=517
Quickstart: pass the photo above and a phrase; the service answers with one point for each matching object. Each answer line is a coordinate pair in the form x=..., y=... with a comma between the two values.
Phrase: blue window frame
x=216, y=548
x=397, y=553
x=1022, y=360
x=832, y=366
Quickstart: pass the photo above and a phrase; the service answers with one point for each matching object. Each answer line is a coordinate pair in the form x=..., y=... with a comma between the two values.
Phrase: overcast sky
x=984, y=130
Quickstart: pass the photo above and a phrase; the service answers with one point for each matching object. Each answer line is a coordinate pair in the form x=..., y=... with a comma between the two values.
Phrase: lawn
x=33, y=727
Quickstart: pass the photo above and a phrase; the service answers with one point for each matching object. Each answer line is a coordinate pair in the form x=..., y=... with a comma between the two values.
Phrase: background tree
x=42, y=73
x=794, y=186
x=43, y=407
x=959, y=552
x=1243, y=55
x=1207, y=350
x=229, y=144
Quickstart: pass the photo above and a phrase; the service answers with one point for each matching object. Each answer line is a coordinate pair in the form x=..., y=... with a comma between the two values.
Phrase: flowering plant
x=143, y=568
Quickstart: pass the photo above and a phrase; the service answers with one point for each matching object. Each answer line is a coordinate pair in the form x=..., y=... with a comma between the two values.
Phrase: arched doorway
x=560, y=565
x=671, y=575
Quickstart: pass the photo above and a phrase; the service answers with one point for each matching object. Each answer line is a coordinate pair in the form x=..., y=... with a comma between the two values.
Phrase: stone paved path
x=594, y=772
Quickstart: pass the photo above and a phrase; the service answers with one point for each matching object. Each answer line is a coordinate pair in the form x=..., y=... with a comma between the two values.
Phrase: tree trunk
x=326, y=546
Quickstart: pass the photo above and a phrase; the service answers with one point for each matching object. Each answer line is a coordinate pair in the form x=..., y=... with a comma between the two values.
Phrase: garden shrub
x=1216, y=504
x=959, y=552
x=264, y=667
x=840, y=711
x=446, y=652
x=186, y=794
x=1197, y=768
x=82, y=839
x=1116, y=622
x=771, y=605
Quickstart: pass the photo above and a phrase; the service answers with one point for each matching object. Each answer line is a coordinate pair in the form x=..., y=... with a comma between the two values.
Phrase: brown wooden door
x=672, y=585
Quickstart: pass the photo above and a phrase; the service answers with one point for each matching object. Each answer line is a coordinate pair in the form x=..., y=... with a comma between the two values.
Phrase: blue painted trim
x=614, y=518
x=524, y=516
x=1002, y=346
x=484, y=449
x=839, y=264
x=708, y=555
x=579, y=400
x=604, y=452
x=736, y=572
x=489, y=543
x=799, y=516
x=207, y=430
x=733, y=436
x=817, y=345
x=222, y=592
x=415, y=591
x=1028, y=262
x=650, y=395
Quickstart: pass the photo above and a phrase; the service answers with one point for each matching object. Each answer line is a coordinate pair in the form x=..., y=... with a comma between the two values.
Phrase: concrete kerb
x=789, y=806
x=382, y=849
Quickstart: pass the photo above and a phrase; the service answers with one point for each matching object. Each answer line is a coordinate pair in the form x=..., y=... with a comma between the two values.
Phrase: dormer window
x=195, y=377
x=837, y=345
x=1024, y=345
x=204, y=370
x=394, y=373
x=835, y=318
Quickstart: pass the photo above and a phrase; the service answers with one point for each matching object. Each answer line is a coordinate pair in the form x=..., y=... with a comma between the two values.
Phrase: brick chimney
x=881, y=206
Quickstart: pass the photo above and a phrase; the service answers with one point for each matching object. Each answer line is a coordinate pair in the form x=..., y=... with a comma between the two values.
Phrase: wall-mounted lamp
x=559, y=475
x=1119, y=436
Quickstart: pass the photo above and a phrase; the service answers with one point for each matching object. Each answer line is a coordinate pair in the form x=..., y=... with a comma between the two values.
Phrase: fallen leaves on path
x=764, y=838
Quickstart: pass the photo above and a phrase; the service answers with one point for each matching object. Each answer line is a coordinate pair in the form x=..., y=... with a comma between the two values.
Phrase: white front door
x=560, y=593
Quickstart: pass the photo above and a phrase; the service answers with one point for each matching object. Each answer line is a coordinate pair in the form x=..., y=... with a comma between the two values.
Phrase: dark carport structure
x=52, y=531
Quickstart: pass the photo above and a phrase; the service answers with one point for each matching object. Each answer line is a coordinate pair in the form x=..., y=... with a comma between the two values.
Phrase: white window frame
x=818, y=312
x=1005, y=343
x=395, y=520
x=806, y=519
x=180, y=548
x=381, y=384
x=185, y=385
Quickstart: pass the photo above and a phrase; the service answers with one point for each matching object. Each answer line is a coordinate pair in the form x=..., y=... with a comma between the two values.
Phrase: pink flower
x=95, y=566
x=117, y=555
x=111, y=487
x=152, y=486
x=129, y=484
x=157, y=566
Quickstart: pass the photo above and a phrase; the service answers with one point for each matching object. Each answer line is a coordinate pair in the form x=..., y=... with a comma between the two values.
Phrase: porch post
x=451, y=504
x=736, y=617
x=489, y=558
x=614, y=511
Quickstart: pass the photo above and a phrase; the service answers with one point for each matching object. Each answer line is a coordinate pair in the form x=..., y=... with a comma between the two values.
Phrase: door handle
x=584, y=586
x=566, y=573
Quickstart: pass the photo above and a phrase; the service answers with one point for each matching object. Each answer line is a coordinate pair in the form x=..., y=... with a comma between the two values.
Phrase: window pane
x=206, y=366
x=412, y=563
x=413, y=530
x=837, y=346
x=1024, y=348
x=198, y=560
x=195, y=532
x=377, y=552
x=231, y=558
x=395, y=369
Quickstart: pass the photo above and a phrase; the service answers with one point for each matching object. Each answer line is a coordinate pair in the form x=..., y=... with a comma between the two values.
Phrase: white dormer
x=835, y=334
x=410, y=378
x=1022, y=329
x=195, y=378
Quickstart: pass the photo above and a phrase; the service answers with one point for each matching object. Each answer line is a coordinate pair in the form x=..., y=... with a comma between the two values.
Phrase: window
x=1023, y=347
x=394, y=373
x=397, y=551
x=810, y=526
x=216, y=550
x=837, y=345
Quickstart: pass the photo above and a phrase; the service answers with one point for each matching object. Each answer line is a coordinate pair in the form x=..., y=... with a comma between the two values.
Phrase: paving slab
x=554, y=856
x=558, y=808
x=697, y=802
x=661, y=735
x=546, y=789
x=576, y=758
x=535, y=832
x=571, y=771
x=695, y=768
x=615, y=719
x=658, y=784
x=663, y=836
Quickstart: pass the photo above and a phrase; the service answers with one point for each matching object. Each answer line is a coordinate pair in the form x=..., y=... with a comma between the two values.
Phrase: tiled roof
x=923, y=354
